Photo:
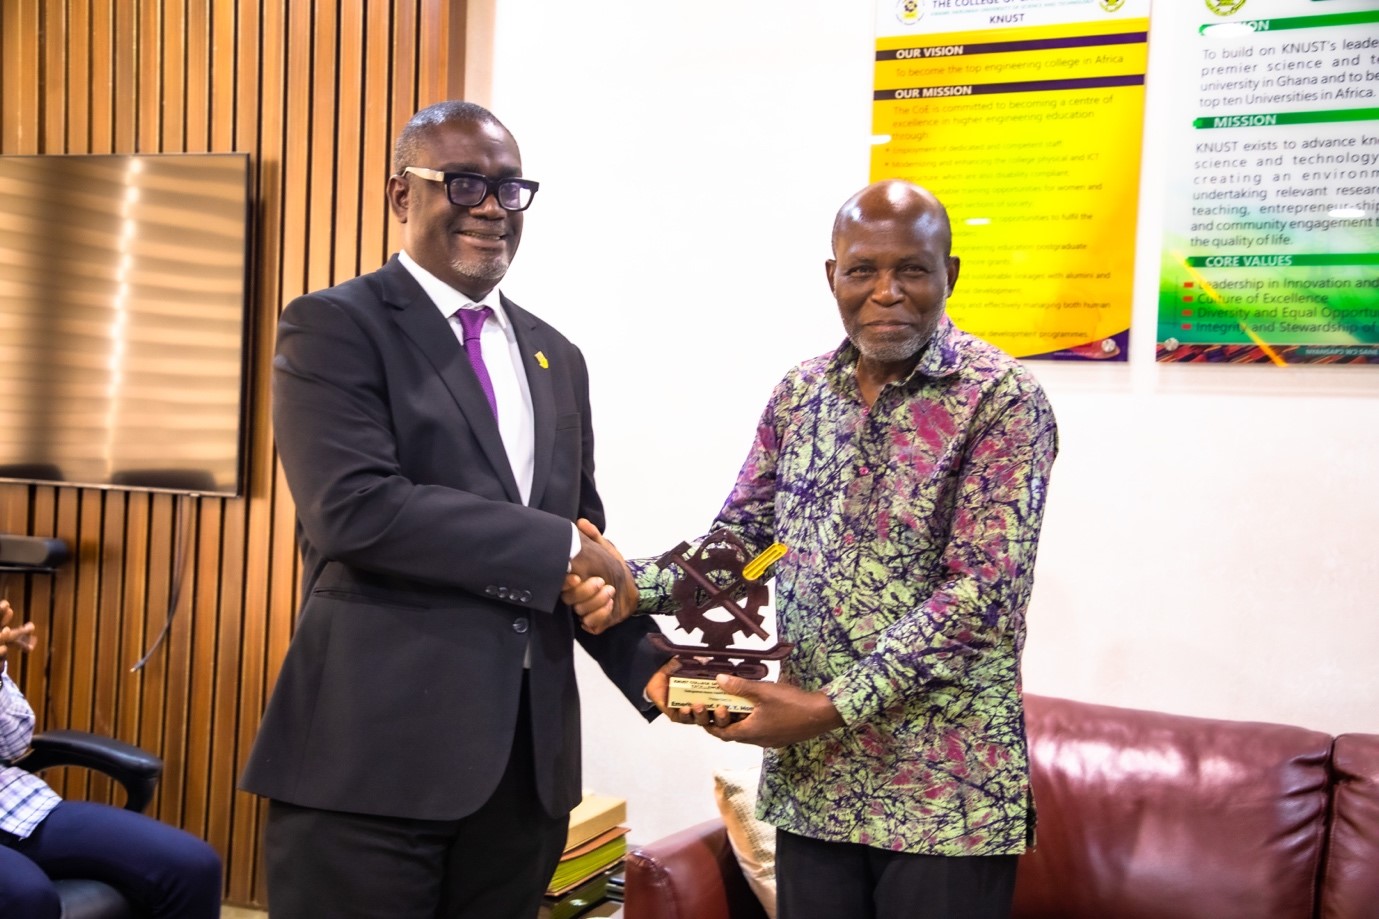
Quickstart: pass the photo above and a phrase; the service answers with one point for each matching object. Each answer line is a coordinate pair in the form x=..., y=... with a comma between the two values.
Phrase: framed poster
x=1271, y=247
x=1026, y=119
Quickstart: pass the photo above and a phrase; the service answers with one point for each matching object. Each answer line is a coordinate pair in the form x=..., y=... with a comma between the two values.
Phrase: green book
x=576, y=901
x=571, y=871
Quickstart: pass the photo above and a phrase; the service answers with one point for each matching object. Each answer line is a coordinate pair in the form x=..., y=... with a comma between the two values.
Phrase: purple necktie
x=473, y=322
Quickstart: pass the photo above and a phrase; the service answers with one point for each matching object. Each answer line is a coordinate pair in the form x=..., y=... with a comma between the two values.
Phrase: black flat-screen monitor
x=123, y=320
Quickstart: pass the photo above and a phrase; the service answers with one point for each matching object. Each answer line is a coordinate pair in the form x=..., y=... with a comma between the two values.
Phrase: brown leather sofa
x=1142, y=815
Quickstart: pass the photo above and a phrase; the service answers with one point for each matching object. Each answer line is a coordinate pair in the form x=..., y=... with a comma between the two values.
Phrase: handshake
x=600, y=590
x=599, y=586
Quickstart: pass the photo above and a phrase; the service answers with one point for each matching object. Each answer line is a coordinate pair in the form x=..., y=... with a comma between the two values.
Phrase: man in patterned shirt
x=906, y=472
x=164, y=872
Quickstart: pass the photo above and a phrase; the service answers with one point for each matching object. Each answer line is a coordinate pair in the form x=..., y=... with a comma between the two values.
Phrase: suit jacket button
x=525, y=597
x=502, y=593
x=519, y=625
x=491, y=591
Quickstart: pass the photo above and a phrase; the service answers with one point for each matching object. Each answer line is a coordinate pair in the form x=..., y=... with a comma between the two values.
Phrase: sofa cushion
x=753, y=841
x=1350, y=881
x=1147, y=815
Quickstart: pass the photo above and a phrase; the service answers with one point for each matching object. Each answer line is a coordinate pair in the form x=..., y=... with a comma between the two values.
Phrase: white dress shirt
x=504, y=362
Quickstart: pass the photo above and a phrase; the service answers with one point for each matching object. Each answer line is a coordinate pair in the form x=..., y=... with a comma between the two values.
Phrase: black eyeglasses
x=469, y=189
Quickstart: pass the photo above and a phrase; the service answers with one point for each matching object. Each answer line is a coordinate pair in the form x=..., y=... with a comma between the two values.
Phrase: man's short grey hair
x=410, y=141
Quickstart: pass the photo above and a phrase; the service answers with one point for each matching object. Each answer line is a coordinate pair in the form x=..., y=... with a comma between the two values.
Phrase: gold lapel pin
x=541, y=359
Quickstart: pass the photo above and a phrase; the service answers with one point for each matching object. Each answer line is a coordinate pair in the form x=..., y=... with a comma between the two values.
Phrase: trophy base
x=685, y=691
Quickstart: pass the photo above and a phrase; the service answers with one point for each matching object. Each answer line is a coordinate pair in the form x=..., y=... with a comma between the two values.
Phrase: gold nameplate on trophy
x=688, y=691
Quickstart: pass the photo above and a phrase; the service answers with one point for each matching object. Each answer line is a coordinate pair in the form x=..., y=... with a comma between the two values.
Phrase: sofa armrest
x=135, y=769
x=691, y=874
x=1350, y=884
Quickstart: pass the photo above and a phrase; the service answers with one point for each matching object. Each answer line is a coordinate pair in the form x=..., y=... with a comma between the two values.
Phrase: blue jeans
x=163, y=870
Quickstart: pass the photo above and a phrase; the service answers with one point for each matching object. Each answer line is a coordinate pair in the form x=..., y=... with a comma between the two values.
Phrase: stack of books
x=594, y=850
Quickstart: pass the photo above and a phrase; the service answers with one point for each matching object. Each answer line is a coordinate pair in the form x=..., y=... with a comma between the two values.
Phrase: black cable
x=181, y=537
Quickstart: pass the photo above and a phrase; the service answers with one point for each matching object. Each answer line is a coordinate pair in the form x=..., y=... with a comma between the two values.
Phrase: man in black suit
x=421, y=751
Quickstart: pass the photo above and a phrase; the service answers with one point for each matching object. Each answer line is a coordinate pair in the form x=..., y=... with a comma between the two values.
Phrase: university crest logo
x=909, y=11
x=1224, y=7
x=1111, y=6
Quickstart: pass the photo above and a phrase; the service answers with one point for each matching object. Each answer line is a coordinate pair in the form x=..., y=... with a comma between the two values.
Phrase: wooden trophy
x=716, y=574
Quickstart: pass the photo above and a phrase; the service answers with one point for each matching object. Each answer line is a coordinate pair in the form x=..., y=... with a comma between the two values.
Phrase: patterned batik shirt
x=912, y=527
x=25, y=799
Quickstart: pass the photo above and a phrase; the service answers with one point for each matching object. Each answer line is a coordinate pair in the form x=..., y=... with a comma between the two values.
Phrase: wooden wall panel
x=315, y=91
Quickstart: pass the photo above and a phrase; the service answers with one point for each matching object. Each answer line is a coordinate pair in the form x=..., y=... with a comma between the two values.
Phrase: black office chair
x=136, y=770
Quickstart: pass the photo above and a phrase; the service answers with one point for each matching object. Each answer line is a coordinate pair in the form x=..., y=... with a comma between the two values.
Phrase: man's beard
x=482, y=268
x=889, y=351
x=892, y=352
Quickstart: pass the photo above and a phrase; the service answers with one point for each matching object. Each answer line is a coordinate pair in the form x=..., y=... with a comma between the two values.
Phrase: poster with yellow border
x=1025, y=117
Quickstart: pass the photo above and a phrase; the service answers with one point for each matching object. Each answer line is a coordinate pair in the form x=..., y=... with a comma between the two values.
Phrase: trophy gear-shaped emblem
x=718, y=579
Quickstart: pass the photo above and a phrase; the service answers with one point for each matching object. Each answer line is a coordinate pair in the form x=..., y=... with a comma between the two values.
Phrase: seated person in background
x=162, y=870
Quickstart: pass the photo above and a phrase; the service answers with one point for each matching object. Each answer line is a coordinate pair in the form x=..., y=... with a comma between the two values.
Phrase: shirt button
x=519, y=625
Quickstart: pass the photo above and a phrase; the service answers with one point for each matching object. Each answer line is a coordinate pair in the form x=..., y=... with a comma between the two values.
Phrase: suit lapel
x=422, y=322
x=530, y=343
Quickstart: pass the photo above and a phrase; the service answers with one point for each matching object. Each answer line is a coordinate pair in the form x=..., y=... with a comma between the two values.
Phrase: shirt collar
x=449, y=300
x=940, y=358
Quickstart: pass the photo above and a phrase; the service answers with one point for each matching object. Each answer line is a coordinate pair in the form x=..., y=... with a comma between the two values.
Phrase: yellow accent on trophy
x=757, y=566
x=541, y=359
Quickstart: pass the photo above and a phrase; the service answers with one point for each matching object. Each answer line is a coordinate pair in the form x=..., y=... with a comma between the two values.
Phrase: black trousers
x=831, y=880
x=494, y=863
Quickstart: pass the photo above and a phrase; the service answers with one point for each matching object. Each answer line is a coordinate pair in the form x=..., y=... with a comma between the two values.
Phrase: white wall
x=1210, y=541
